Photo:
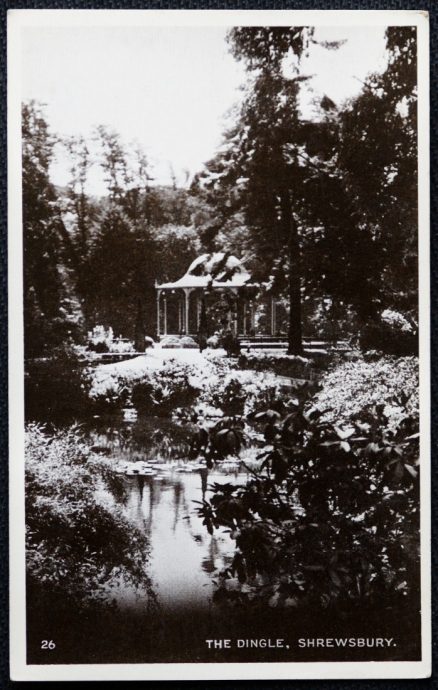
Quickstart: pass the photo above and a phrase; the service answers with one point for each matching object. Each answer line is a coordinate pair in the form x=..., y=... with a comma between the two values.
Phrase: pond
x=162, y=488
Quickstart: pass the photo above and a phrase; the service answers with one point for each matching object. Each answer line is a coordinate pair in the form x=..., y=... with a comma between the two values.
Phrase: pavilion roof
x=219, y=269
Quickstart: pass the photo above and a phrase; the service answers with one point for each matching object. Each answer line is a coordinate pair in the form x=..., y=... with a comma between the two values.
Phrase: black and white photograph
x=218, y=242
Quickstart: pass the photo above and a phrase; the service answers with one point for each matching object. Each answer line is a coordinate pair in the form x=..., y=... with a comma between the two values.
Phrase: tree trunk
x=295, y=336
x=139, y=328
x=203, y=322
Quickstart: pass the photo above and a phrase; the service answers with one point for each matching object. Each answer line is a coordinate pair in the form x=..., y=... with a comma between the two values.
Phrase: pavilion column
x=273, y=316
x=187, y=292
x=180, y=316
x=198, y=312
x=165, y=313
x=244, y=316
x=235, y=312
x=187, y=307
x=158, y=313
x=252, y=317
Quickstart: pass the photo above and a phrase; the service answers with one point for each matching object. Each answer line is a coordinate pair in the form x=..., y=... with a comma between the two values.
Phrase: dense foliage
x=352, y=387
x=78, y=541
x=164, y=390
x=52, y=313
x=213, y=387
x=331, y=517
x=55, y=387
x=95, y=260
x=280, y=363
x=337, y=192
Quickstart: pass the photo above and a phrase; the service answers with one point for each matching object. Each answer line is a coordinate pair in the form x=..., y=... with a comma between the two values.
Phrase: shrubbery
x=352, y=387
x=55, y=387
x=155, y=391
x=160, y=392
x=109, y=391
x=230, y=397
x=282, y=364
x=331, y=518
x=392, y=335
x=78, y=541
x=181, y=385
x=239, y=392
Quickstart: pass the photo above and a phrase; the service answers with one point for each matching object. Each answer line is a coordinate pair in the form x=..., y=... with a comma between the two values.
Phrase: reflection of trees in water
x=178, y=497
x=145, y=439
x=160, y=438
x=156, y=439
x=155, y=487
x=215, y=559
x=143, y=514
x=140, y=482
x=204, y=481
x=209, y=562
x=137, y=488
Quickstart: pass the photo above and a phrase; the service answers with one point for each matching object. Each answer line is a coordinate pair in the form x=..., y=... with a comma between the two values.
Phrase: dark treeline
x=94, y=260
x=324, y=212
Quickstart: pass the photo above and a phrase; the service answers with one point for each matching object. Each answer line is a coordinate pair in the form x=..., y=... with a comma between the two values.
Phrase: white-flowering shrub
x=214, y=341
x=239, y=392
x=396, y=320
x=108, y=387
x=213, y=383
x=160, y=392
x=102, y=340
x=355, y=386
x=100, y=336
x=121, y=346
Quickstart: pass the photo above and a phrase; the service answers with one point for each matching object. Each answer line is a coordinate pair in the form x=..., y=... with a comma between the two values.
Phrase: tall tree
x=260, y=164
x=80, y=216
x=378, y=158
x=79, y=204
x=142, y=234
x=365, y=221
x=52, y=313
x=336, y=195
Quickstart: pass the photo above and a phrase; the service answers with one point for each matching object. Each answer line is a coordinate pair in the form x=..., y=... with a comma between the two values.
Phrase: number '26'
x=47, y=644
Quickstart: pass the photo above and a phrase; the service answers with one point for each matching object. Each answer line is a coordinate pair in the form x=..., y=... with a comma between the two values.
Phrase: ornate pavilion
x=220, y=285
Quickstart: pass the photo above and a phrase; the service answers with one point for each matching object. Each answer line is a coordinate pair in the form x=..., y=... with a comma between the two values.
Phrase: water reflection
x=146, y=439
x=160, y=501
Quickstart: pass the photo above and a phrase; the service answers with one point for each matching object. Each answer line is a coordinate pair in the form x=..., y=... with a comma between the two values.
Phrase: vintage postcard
x=219, y=344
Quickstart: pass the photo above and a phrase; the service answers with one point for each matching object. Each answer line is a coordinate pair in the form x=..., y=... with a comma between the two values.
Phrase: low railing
x=280, y=343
